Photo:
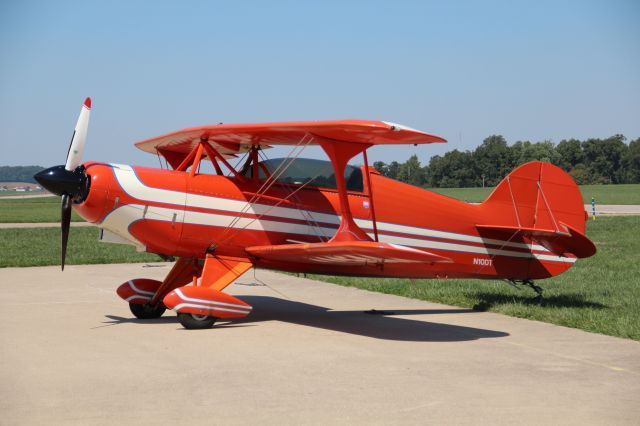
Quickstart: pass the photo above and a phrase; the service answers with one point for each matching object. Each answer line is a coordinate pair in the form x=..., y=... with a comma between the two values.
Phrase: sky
x=463, y=70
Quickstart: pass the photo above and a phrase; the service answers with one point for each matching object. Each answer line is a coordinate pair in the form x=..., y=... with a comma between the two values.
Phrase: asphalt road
x=71, y=353
x=614, y=209
x=42, y=225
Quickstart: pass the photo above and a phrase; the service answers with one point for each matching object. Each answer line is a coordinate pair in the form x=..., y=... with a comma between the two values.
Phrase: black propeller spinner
x=71, y=186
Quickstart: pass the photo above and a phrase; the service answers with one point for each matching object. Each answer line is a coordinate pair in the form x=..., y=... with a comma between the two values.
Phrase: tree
x=569, y=153
x=492, y=159
x=580, y=174
x=540, y=151
x=18, y=173
x=381, y=167
x=453, y=170
x=631, y=163
x=591, y=161
x=603, y=158
x=411, y=171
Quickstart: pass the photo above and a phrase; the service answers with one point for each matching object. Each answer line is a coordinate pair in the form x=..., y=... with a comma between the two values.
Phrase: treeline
x=592, y=161
x=19, y=173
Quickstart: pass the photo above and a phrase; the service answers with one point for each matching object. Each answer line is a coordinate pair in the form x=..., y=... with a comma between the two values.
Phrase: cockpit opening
x=318, y=173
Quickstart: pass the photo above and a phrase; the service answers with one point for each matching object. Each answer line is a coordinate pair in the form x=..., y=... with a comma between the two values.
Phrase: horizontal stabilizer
x=565, y=240
x=345, y=253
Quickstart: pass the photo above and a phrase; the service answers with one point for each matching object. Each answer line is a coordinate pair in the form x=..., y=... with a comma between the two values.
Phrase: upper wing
x=229, y=139
x=345, y=253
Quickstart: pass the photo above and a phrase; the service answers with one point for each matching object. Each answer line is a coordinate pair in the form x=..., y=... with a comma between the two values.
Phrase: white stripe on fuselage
x=125, y=215
x=131, y=184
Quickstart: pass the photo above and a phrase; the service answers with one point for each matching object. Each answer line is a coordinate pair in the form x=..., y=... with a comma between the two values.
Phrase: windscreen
x=316, y=172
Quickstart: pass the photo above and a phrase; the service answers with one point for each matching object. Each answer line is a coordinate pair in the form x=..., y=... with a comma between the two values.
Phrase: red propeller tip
x=87, y=103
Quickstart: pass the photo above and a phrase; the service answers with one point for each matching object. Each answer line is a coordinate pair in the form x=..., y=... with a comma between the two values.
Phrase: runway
x=71, y=353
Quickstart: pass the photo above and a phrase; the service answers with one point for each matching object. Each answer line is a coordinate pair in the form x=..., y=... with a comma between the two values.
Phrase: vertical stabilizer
x=542, y=202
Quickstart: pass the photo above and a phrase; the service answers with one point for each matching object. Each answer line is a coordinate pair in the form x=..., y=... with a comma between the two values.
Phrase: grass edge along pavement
x=600, y=294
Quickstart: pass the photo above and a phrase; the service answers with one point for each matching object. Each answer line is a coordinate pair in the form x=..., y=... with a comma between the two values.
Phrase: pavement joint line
x=586, y=361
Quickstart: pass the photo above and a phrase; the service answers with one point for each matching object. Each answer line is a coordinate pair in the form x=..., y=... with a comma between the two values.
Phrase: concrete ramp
x=71, y=353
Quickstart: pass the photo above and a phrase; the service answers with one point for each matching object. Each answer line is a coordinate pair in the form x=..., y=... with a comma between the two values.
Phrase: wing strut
x=340, y=153
x=370, y=191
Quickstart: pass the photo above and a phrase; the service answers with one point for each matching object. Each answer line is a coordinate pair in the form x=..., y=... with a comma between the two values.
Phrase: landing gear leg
x=536, y=288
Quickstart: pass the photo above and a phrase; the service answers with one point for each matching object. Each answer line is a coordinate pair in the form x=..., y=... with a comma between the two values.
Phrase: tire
x=147, y=311
x=196, y=322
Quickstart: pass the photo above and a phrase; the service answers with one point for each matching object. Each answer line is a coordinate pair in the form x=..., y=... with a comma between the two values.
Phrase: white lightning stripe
x=426, y=232
x=182, y=296
x=207, y=308
x=132, y=185
x=137, y=290
x=439, y=245
x=124, y=215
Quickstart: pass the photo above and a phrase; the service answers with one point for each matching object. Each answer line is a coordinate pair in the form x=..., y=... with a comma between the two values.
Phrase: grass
x=604, y=194
x=611, y=194
x=32, y=210
x=41, y=246
x=599, y=294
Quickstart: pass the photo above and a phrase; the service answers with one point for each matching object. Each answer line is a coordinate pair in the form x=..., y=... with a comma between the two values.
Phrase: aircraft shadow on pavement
x=386, y=326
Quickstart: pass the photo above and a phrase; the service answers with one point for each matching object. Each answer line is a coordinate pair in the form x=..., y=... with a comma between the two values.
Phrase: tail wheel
x=196, y=322
x=147, y=311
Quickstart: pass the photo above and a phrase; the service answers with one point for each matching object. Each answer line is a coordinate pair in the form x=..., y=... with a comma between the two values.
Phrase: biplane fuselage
x=176, y=214
x=311, y=216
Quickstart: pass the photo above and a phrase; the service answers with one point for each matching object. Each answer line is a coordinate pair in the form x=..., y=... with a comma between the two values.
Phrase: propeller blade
x=76, y=147
x=65, y=223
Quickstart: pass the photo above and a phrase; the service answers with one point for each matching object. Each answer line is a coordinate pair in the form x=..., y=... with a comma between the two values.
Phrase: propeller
x=69, y=180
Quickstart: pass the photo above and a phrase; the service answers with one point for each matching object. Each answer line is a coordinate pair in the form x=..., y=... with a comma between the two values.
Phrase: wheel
x=196, y=322
x=147, y=311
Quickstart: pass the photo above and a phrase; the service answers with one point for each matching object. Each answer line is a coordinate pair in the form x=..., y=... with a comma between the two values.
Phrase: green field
x=604, y=194
x=41, y=246
x=32, y=210
x=599, y=294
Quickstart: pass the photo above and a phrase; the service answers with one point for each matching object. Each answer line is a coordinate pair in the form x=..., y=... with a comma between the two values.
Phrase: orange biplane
x=312, y=216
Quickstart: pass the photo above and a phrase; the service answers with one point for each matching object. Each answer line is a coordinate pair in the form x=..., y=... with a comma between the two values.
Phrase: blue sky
x=529, y=70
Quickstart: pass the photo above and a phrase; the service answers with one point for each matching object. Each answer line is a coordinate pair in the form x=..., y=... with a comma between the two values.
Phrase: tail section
x=541, y=202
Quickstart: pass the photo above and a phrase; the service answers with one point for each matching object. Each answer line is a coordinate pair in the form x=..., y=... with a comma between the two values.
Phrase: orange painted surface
x=531, y=227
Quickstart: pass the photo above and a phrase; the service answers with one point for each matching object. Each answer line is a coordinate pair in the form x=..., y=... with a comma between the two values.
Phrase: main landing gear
x=198, y=305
